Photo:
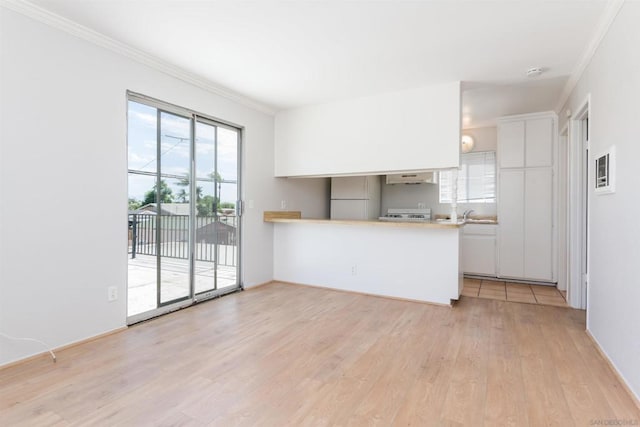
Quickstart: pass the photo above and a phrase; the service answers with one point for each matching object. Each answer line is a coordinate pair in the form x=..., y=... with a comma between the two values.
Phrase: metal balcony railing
x=215, y=237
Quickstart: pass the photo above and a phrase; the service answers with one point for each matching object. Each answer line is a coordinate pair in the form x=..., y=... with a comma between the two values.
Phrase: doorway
x=579, y=207
x=184, y=228
x=563, y=211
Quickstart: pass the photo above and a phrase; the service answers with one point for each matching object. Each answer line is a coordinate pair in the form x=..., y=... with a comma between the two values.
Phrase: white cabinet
x=539, y=142
x=394, y=132
x=511, y=146
x=511, y=219
x=526, y=142
x=526, y=204
x=479, y=249
x=538, y=224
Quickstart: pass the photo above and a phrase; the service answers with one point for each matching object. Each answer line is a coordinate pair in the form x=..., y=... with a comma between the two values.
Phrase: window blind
x=476, y=179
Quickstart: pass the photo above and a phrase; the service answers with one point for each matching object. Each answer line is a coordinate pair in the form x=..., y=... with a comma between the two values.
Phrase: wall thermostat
x=605, y=171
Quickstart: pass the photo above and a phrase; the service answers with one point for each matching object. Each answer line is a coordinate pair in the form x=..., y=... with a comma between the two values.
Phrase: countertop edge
x=445, y=225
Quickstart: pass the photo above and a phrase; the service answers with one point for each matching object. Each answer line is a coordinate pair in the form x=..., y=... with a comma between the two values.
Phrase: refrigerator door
x=349, y=187
x=349, y=209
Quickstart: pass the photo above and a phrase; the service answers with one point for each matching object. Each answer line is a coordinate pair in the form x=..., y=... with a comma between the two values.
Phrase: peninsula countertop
x=287, y=217
x=352, y=255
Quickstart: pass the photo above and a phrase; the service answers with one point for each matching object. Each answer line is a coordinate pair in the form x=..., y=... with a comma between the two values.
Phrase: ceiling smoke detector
x=534, y=72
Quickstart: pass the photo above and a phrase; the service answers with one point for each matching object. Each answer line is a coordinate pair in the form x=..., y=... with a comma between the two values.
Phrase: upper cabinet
x=396, y=132
x=539, y=142
x=511, y=147
x=526, y=141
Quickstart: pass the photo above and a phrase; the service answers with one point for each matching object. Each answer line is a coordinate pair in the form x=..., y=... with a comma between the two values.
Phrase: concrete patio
x=142, y=279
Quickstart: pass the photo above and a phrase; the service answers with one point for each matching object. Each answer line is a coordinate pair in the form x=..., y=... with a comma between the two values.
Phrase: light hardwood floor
x=292, y=355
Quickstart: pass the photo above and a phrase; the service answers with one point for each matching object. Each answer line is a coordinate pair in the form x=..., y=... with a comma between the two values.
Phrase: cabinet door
x=538, y=231
x=511, y=223
x=479, y=254
x=349, y=187
x=539, y=142
x=511, y=144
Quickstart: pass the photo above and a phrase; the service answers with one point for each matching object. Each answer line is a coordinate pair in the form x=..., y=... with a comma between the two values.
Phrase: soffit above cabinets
x=404, y=131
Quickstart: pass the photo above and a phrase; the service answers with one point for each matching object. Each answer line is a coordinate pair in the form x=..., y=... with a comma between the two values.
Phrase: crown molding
x=607, y=18
x=56, y=21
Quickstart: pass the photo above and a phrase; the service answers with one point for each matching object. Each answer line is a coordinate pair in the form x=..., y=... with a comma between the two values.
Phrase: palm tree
x=205, y=205
x=183, y=195
x=166, y=194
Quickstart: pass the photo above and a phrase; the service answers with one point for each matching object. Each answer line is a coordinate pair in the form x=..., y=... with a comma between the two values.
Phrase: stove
x=407, y=215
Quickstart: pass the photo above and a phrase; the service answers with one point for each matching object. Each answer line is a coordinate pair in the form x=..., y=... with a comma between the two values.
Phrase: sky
x=174, y=147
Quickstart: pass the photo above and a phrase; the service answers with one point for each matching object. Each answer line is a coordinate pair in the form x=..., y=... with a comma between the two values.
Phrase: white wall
x=399, y=131
x=63, y=182
x=613, y=80
x=311, y=196
x=408, y=196
x=485, y=139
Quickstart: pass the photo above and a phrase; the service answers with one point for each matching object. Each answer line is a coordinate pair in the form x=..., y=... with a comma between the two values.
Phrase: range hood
x=413, y=178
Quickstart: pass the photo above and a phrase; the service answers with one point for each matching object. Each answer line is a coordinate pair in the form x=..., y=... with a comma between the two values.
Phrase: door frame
x=194, y=297
x=579, y=206
x=562, y=207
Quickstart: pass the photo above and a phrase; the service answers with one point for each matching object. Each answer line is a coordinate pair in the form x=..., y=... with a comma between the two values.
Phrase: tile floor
x=515, y=292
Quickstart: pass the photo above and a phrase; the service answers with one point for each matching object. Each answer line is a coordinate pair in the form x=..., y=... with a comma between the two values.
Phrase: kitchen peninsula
x=409, y=260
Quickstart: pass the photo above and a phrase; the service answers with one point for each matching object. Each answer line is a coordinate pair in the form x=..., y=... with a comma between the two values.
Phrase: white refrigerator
x=355, y=197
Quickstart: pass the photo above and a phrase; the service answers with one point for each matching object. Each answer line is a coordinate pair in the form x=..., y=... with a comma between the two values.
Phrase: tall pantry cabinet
x=526, y=205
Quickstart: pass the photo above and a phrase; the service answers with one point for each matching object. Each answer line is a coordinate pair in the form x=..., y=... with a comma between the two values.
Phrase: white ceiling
x=285, y=54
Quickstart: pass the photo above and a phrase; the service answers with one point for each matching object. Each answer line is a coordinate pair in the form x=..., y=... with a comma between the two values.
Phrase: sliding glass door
x=217, y=226
x=183, y=188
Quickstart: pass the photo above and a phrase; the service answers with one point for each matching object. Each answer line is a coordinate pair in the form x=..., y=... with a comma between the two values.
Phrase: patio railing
x=173, y=234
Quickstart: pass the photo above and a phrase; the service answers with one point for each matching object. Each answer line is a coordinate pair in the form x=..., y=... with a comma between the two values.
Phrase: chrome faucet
x=466, y=214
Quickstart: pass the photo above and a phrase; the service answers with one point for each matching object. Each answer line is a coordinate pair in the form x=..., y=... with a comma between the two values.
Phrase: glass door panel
x=206, y=229
x=142, y=163
x=173, y=208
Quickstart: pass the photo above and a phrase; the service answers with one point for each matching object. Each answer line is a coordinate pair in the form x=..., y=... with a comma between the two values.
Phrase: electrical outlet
x=112, y=293
x=422, y=205
x=283, y=204
x=354, y=270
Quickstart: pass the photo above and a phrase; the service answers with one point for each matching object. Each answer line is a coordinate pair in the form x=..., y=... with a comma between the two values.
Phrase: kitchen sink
x=481, y=221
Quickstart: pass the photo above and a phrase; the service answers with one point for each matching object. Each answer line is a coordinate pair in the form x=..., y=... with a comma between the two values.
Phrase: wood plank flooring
x=292, y=355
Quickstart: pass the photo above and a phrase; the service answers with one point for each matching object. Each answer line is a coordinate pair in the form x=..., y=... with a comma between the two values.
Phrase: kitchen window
x=476, y=179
